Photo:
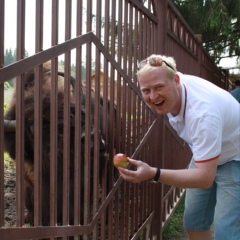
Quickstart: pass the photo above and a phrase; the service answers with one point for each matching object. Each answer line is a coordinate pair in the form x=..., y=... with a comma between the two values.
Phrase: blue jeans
x=219, y=204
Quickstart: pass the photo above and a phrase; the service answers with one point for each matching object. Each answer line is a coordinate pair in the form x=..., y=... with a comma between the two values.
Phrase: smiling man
x=208, y=119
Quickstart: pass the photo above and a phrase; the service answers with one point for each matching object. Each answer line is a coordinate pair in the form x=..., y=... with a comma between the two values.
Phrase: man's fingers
x=133, y=161
x=128, y=175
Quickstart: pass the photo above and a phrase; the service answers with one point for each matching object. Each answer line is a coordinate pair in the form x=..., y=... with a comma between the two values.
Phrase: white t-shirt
x=210, y=121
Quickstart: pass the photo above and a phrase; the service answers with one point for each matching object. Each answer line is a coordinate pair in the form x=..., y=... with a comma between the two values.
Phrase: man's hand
x=142, y=173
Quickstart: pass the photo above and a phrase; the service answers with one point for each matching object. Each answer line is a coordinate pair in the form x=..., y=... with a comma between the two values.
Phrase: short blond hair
x=168, y=59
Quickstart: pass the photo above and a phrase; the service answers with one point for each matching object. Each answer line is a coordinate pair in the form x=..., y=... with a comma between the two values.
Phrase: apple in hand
x=120, y=160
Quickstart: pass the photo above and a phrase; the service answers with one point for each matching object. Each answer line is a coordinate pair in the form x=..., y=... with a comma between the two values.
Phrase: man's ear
x=177, y=79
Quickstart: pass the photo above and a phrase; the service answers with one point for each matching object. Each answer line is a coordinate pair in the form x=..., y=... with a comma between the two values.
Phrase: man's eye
x=145, y=91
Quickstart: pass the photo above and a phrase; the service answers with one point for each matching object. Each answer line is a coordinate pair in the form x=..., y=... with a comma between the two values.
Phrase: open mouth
x=159, y=103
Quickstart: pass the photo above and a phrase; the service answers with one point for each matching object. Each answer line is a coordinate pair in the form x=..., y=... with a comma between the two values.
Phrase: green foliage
x=217, y=21
x=7, y=97
x=7, y=160
x=6, y=105
x=7, y=86
x=9, y=56
x=174, y=228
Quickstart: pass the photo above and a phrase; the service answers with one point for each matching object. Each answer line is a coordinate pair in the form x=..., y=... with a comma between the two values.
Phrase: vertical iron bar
x=78, y=119
x=105, y=129
x=2, y=32
x=87, y=155
x=66, y=130
x=2, y=15
x=126, y=113
x=1, y=155
x=38, y=75
x=97, y=121
x=54, y=118
x=38, y=119
x=53, y=142
x=119, y=78
x=112, y=117
x=20, y=116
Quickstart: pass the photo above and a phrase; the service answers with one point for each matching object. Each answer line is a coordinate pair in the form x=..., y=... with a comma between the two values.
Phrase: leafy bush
x=6, y=105
x=7, y=86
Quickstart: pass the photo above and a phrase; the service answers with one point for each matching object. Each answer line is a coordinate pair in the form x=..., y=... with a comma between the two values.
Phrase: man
x=208, y=119
x=236, y=91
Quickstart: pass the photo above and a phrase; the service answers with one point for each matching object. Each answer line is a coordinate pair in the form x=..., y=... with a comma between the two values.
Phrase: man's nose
x=153, y=95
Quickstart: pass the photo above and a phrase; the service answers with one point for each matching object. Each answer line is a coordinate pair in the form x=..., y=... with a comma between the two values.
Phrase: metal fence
x=88, y=102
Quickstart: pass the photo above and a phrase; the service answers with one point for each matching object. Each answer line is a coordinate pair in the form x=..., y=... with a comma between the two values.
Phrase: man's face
x=160, y=92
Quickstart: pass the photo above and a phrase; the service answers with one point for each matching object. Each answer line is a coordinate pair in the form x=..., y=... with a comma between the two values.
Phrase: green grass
x=174, y=228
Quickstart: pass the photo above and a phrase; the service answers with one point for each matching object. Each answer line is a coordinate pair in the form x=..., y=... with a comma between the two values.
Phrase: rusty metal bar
x=20, y=151
x=66, y=141
x=66, y=130
x=39, y=26
x=97, y=123
x=88, y=121
x=68, y=24
x=97, y=96
x=108, y=215
x=95, y=166
x=130, y=32
x=38, y=76
x=119, y=220
x=2, y=31
x=126, y=40
x=119, y=78
x=20, y=116
x=135, y=116
x=78, y=119
x=55, y=24
x=87, y=154
x=136, y=39
x=53, y=118
x=98, y=19
x=77, y=142
x=2, y=206
x=53, y=142
x=2, y=6
x=105, y=82
x=112, y=123
x=140, y=37
x=105, y=130
x=79, y=17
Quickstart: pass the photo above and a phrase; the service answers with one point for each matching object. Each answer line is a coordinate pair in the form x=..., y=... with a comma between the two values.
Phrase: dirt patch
x=10, y=194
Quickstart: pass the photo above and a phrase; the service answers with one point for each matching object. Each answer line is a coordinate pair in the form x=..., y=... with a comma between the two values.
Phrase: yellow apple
x=120, y=160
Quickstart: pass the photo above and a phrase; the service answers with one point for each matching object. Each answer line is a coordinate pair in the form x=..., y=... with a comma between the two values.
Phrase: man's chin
x=160, y=111
x=157, y=110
